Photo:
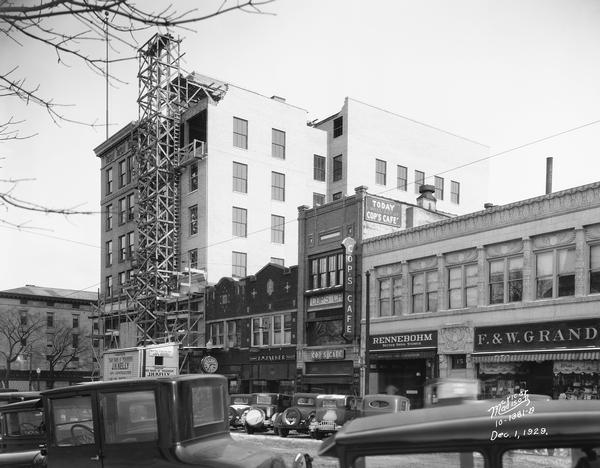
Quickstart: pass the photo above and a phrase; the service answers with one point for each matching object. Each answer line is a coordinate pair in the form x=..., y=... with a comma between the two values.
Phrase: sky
x=521, y=76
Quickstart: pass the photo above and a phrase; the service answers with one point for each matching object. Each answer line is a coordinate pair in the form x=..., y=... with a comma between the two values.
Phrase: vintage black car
x=15, y=396
x=298, y=416
x=515, y=432
x=156, y=421
x=332, y=412
x=22, y=430
x=239, y=403
x=264, y=407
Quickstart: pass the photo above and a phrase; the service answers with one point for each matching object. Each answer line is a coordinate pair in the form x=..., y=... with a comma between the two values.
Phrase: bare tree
x=17, y=333
x=63, y=349
x=83, y=25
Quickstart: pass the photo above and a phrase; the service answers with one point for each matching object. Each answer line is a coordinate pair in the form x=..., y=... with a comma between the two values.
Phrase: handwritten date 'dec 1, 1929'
x=517, y=433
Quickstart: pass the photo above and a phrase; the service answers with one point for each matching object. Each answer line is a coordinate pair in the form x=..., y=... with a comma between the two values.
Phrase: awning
x=327, y=379
x=553, y=356
x=382, y=355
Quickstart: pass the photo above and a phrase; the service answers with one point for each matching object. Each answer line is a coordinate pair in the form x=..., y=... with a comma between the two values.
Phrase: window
x=337, y=168
x=272, y=330
x=240, y=177
x=122, y=173
x=282, y=329
x=194, y=177
x=109, y=253
x=50, y=319
x=240, y=222
x=240, y=133
x=75, y=321
x=130, y=244
x=217, y=333
x=402, y=178
x=23, y=318
x=278, y=144
x=439, y=188
x=130, y=206
x=122, y=248
x=555, y=273
x=595, y=269
x=319, y=168
x=193, y=258
x=458, y=361
x=277, y=186
x=128, y=416
x=318, y=199
x=454, y=192
x=390, y=297
x=380, y=171
x=109, y=217
x=238, y=264
x=277, y=229
x=424, y=291
x=506, y=280
x=129, y=168
x=338, y=126
x=462, y=286
x=234, y=333
x=277, y=261
x=419, y=180
x=122, y=278
x=122, y=210
x=327, y=271
x=69, y=414
x=193, y=211
x=108, y=285
x=109, y=181
x=337, y=196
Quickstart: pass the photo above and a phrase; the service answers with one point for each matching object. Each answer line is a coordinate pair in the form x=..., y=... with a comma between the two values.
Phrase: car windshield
x=424, y=460
x=263, y=399
x=305, y=401
x=329, y=403
x=240, y=400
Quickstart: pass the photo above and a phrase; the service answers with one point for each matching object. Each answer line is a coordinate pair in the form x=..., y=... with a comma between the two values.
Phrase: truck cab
x=154, y=421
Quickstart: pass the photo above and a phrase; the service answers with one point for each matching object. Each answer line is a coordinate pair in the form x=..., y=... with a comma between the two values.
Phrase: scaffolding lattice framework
x=161, y=101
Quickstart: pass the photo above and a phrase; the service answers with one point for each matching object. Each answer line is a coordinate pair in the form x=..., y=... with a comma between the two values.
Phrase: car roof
x=466, y=423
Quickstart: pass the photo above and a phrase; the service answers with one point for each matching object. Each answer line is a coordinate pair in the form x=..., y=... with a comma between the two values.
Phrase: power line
x=50, y=236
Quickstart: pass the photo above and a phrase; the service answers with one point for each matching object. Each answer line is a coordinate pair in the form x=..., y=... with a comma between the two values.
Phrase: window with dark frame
x=419, y=180
x=555, y=273
x=390, y=296
x=439, y=188
x=319, y=167
x=277, y=229
x=336, y=196
x=380, y=172
x=238, y=264
x=50, y=319
x=122, y=173
x=338, y=126
x=277, y=186
x=278, y=144
x=424, y=291
x=327, y=271
x=194, y=177
x=109, y=217
x=337, y=168
x=506, y=280
x=193, y=212
x=240, y=222
x=109, y=253
x=318, y=199
x=130, y=206
x=122, y=210
x=595, y=269
x=130, y=244
x=129, y=169
x=462, y=286
x=109, y=181
x=122, y=248
x=459, y=361
x=402, y=178
x=108, y=285
x=240, y=133
x=240, y=177
x=454, y=192
x=193, y=258
x=75, y=321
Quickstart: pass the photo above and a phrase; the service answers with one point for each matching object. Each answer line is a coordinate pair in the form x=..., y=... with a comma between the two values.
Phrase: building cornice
x=545, y=206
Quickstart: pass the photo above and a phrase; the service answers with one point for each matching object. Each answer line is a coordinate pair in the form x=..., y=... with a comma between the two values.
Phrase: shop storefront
x=329, y=371
x=560, y=359
x=270, y=370
x=401, y=363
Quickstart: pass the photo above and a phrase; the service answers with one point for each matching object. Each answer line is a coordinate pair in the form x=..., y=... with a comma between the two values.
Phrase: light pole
x=38, y=371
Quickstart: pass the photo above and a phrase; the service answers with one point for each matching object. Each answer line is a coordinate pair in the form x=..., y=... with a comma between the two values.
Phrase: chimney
x=427, y=199
x=278, y=98
x=548, y=175
x=488, y=205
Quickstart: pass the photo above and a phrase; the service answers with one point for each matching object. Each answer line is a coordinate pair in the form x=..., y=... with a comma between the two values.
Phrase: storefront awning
x=401, y=355
x=553, y=356
x=327, y=379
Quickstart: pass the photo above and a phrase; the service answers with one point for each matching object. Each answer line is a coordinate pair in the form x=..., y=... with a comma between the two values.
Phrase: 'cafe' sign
x=383, y=211
x=348, y=333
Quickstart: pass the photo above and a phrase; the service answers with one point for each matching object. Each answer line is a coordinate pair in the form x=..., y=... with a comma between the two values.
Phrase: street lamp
x=38, y=371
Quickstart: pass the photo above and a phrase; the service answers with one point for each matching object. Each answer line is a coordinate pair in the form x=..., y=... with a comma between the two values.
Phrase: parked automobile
x=516, y=433
x=298, y=416
x=156, y=421
x=239, y=403
x=263, y=408
x=332, y=412
x=450, y=391
x=15, y=396
x=373, y=405
x=22, y=431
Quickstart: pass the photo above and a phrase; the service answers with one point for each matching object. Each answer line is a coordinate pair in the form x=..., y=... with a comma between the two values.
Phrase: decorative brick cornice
x=546, y=206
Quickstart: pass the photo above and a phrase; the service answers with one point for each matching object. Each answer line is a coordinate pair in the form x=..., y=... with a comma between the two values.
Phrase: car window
x=207, y=405
x=73, y=423
x=379, y=404
x=263, y=399
x=240, y=400
x=583, y=457
x=303, y=401
x=423, y=460
x=329, y=403
x=24, y=423
x=129, y=416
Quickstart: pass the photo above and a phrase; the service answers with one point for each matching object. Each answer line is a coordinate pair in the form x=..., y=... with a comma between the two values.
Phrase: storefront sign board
x=274, y=354
x=328, y=354
x=383, y=211
x=349, y=266
x=410, y=340
x=325, y=300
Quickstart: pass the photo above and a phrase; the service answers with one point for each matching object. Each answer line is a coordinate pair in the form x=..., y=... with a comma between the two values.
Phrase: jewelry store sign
x=328, y=354
x=411, y=340
x=383, y=211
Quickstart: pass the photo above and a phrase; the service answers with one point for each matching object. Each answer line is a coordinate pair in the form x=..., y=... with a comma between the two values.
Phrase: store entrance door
x=540, y=378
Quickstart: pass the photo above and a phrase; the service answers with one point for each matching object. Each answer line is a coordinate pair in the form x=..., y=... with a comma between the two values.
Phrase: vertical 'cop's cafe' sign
x=349, y=243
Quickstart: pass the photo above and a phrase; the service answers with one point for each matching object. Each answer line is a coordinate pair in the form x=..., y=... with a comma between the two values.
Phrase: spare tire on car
x=255, y=420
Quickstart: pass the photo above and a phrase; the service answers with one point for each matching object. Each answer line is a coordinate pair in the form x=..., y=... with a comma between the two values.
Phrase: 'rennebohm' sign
x=383, y=211
x=569, y=334
x=409, y=340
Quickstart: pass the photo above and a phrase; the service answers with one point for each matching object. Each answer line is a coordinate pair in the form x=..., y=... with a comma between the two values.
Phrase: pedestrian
x=590, y=460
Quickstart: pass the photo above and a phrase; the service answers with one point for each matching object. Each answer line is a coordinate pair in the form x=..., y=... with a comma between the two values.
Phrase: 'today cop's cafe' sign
x=383, y=211
x=572, y=334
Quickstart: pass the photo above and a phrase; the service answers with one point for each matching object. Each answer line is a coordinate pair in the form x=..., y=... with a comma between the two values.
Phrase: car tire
x=276, y=430
x=284, y=432
x=319, y=435
x=249, y=430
